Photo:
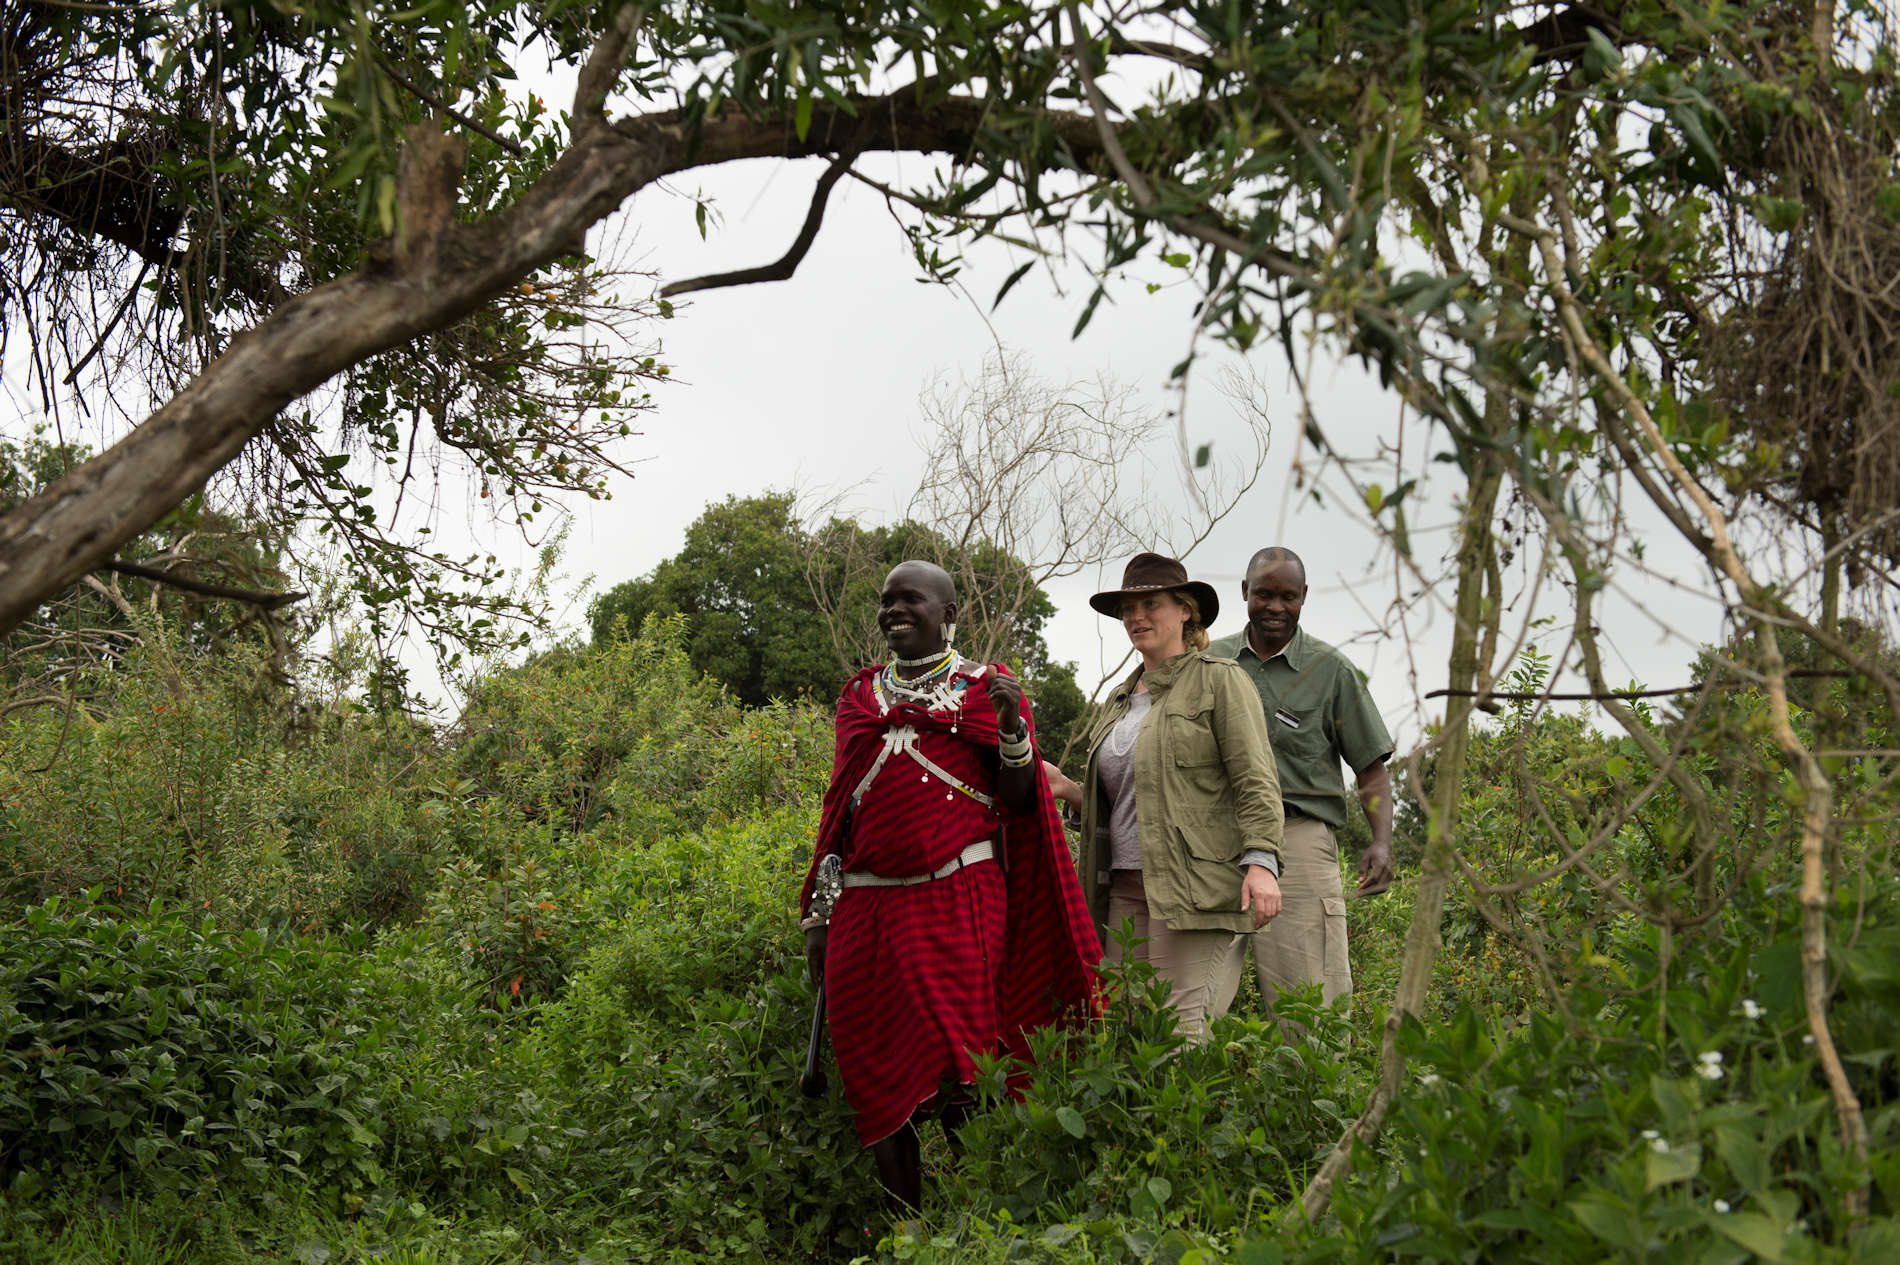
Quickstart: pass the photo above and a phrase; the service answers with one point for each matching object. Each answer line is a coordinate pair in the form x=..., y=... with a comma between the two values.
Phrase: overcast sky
x=813, y=384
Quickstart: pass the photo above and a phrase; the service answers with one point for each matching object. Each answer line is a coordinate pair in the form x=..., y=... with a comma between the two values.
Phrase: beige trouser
x=1306, y=943
x=1202, y=968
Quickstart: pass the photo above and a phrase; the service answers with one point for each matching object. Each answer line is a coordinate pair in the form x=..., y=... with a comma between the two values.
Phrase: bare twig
x=118, y=314
x=38, y=700
x=436, y=103
x=1597, y=696
x=787, y=264
x=263, y=600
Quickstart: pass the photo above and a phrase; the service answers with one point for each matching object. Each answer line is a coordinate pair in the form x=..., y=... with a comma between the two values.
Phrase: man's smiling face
x=916, y=603
x=1275, y=592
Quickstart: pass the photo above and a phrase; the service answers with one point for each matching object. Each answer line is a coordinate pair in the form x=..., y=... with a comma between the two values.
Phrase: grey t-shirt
x=1116, y=766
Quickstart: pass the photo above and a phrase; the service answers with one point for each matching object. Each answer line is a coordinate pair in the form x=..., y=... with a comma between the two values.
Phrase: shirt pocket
x=1298, y=733
x=1194, y=750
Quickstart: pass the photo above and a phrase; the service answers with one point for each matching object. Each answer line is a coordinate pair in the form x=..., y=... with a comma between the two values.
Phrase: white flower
x=1651, y=1134
x=1721, y=1205
x=1659, y=1145
x=1807, y=1038
x=1429, y=1079
x=1751, y=1009
x=1709, y=1065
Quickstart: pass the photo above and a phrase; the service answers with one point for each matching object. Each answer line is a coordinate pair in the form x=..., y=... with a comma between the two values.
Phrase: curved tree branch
x=442, y=271
x=787, y=264
x=203, y=588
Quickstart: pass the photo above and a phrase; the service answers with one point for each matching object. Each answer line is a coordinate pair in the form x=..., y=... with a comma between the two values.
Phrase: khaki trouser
x=1202, y=967
x=1306, y=943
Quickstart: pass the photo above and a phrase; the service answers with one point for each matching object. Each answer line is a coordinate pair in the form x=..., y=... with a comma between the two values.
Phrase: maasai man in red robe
x=961, y=926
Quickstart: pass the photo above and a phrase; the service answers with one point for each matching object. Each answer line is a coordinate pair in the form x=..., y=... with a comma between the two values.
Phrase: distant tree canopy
x=740, y=580
x=780, y=610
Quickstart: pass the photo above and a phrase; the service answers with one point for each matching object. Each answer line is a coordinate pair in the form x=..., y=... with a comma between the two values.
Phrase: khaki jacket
x=1206, y=789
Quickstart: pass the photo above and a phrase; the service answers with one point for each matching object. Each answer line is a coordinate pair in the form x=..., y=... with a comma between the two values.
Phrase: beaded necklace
x=937, y=690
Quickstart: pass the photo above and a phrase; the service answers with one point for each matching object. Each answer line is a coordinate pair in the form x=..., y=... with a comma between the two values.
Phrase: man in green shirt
x=1318, y=715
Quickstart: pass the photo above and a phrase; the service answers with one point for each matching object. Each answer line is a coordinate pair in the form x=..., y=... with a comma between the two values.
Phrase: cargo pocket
x=1213, y=866
x=1336, y=976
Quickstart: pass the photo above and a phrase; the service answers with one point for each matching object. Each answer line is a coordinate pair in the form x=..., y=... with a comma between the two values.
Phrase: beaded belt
x=982, y=850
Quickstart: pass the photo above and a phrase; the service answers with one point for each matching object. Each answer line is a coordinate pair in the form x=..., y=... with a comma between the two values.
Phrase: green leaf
x=1778, y=972
x=801, y=117
x=1009, y=283
x=1611, y=55
x=1260, y=1252
x=1677, y=1164
x=1375, y=497
x=1616, y=766
x=1689, y=122
x=1746, y=1157
x=1203, y=455
x=1778, y=215
x=1087, y=313
x=1609, y=1220
x=1160, y=1189
x=1760, y=1234
x=1071, y=1121
x=386, y=203
x=1676, y=1103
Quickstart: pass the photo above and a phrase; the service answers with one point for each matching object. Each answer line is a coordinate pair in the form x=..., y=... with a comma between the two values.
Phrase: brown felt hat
x=1151, y=573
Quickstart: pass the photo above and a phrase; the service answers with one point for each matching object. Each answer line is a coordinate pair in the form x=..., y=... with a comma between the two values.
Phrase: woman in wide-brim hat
x=1195, y=864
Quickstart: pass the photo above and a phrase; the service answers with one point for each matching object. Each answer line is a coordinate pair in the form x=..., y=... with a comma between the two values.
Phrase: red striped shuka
x=919, y=978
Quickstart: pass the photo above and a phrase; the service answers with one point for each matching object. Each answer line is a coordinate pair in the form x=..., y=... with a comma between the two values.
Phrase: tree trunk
x=1475, y=546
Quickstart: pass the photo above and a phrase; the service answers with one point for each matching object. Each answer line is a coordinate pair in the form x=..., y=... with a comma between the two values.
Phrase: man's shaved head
x=926, y=577
x=917, y=608
x=1276, y=553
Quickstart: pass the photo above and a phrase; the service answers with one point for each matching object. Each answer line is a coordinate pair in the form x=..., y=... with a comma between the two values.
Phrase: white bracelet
x=1018, y=751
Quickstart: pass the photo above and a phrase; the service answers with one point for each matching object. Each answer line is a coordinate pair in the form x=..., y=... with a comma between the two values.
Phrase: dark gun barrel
x=812, y=1080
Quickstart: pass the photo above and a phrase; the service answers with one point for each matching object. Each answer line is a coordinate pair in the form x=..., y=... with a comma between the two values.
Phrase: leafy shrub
x=167, y=1052
x=176, y=783
x=506, y=930
x=709, y=1144
x=1127, y=1137
x=1683, y=1120
x=630, y=728
x=697, y=914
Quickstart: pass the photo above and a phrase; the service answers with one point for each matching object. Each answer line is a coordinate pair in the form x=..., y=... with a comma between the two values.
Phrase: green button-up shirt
x=1318, y=713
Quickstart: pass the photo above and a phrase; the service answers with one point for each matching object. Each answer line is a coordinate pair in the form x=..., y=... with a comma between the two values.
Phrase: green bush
x=167, y=1053
x=175, y=782
x=1679, y=1120
x=678, y=1045
x=630, y=730
x=707, y=1144
x=1129, y=1144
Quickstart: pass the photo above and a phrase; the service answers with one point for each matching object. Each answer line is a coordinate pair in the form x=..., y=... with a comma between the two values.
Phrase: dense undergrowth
x=356, y=991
